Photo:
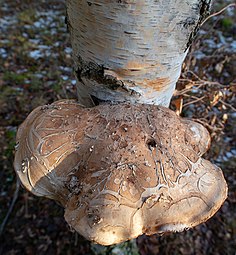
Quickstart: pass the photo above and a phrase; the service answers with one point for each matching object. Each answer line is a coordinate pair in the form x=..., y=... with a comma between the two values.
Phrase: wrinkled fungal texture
x=119, y=170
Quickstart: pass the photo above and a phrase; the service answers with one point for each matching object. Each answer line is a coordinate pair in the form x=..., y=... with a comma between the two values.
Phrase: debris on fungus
x=119, y=170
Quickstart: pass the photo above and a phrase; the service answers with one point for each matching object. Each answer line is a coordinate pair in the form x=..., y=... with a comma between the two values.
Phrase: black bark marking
x=203, y=9
x=93, y=71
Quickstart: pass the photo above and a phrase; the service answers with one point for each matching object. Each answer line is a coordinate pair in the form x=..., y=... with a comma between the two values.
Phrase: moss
x=126, y=248
x=10, y=137
x=14, y=78
x=227, y=23
x=27, y=16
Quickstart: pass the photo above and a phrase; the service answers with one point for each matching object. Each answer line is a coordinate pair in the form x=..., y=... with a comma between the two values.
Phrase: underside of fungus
x=119, y=170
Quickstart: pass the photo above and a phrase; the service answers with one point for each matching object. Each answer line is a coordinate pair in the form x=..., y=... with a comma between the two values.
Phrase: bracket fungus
x=119, y=170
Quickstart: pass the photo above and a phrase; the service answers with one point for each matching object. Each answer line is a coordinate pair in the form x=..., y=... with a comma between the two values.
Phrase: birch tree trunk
x=131, y=50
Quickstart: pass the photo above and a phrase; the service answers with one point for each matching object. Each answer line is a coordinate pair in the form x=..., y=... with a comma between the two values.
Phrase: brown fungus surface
x=119, y=170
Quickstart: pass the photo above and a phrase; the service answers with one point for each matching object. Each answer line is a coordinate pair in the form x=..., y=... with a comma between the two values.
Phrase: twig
x=195, y=75
x=194, y=101
x=205, y=82
x=192, y=96
x=15, y=196
x=228, y=105
x=219, y=12
x=184, y=91
x=207, y=125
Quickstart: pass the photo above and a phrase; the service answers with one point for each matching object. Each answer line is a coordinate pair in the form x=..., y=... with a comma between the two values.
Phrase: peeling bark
x=131, y=50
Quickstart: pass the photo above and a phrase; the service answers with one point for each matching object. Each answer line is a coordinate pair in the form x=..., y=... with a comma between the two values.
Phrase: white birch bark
x=131, y=50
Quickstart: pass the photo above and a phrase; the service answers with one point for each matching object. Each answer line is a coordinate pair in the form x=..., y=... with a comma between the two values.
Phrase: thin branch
x=194, y=101
x=228, y=105
x=191, y=96
x=207, y=125
x=219, y=12
x=206, y=82
x=15, y=196
x=184, y=91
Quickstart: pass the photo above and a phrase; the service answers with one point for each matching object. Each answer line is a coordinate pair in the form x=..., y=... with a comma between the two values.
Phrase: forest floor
x=36, y=69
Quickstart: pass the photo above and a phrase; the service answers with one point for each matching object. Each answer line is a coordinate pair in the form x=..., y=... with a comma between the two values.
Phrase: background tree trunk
x=131, y=50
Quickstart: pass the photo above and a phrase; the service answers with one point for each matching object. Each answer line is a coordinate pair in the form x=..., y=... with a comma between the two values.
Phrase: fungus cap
x=119, y=170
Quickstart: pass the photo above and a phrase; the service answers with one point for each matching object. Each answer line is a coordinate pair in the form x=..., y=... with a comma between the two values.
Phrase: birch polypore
x=131, y=50
x=119, y=170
